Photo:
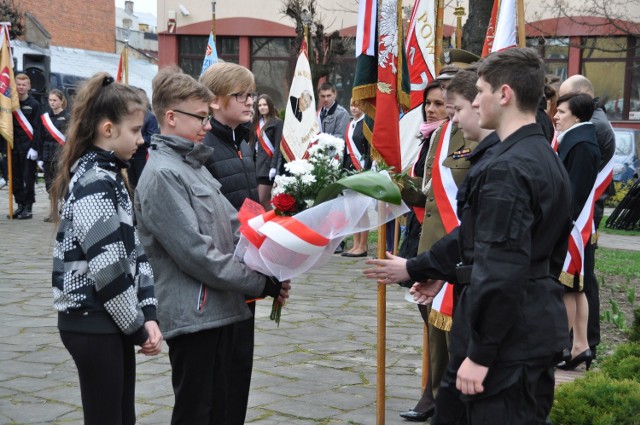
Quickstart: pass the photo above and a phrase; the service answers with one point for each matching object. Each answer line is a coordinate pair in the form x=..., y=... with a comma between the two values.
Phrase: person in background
x=54, y=127
x=189, y=230
x=607, y=143
x=357, y=157
x=149, y=128
x=266, y=134
x=333, y=119
x=26, y=138
x=579, y=151
x=102, y=283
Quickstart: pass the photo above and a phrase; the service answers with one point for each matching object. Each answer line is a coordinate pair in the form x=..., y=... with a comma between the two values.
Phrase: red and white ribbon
x=53, y=131
x=24, y=123
x=444, y=190
x=263, y=139
x=352, y=149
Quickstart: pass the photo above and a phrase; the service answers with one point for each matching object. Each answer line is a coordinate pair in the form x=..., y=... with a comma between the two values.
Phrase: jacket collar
x=486, y=143
x=228, y=134
x=194, y=154
x=523, y=132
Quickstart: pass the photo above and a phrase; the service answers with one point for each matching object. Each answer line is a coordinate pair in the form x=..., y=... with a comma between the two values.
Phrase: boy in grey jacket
x=189, y=231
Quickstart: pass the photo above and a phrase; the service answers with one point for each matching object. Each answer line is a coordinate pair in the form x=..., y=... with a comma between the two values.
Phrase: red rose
x=284, y=203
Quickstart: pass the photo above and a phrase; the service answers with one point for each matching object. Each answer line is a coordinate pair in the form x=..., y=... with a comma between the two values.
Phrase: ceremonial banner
x=300, y=120
x=420, y=48
x=491, y=29
x=393, y=84
x=505, y=36
x=211, y=54
x=9, y=101
x=366, y=29
x=122, y=76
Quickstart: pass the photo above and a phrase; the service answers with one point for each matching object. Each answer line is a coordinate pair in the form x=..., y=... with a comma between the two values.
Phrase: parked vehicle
x=626, y=159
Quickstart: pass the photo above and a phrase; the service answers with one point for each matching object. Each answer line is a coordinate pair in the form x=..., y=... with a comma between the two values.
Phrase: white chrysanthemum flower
x=283, y=182
x=309, y=202
x=308, y=178
x=299, y=167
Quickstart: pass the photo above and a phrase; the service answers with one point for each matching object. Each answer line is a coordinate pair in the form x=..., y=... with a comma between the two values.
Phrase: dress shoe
x=353, y=255
x=26, y=213
x=586, y=357
x=17, y=211
x=340, y=248
x=413, y=416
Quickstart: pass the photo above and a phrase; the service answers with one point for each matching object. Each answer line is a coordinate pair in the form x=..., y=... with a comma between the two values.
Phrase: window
x=604, y=63
x=555, y=52
x=192, y=50
x=272, y=63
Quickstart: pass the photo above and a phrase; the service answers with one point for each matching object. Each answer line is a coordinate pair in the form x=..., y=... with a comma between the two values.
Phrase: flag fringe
x=366, y=91
x=440, y=320
x=567, y=280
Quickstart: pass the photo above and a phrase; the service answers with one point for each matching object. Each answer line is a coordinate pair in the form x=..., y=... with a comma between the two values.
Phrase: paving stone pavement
x=317, y=367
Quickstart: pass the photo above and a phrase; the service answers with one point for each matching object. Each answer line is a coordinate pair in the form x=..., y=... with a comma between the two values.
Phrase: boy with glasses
x=189, y=232
x=233, y=87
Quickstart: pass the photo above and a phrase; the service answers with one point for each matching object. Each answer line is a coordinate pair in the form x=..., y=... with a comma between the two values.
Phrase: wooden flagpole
x=522, y=38
x=439, y=33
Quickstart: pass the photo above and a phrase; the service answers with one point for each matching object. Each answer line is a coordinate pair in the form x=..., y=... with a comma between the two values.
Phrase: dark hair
x=464, y=84
x=519, y=68
x=434, y=84
x=98, y=99
x=327, y=86
x=580, y=104
x=273, y=112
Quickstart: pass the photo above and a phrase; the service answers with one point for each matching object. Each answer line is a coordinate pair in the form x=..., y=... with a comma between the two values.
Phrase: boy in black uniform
x=26, y=135
x=510, y=326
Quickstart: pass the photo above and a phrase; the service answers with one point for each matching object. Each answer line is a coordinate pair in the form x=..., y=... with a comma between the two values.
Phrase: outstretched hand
x=393, y=269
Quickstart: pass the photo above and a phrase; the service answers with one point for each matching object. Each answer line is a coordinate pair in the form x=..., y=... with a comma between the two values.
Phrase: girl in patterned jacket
x=102, y=282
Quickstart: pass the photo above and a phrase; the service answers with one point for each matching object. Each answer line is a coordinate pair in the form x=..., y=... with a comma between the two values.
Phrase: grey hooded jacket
x=189, y=231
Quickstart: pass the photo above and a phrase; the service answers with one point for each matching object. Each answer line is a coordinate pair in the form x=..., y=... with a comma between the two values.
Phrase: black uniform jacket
x=32, y=111
x=49, y=147
x=232, y=162
x=515, y=222
x=264, y=163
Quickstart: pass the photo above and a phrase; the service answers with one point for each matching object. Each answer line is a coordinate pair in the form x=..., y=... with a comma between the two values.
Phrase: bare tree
x=324, y=49
x=11, y=11
x=475, y=29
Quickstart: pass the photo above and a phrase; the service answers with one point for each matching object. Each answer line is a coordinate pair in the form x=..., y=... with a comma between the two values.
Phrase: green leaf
x=369, y=183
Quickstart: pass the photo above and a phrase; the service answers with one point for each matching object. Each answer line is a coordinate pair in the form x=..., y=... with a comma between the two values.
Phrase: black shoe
x=350, y=254
x=586, y=357
x=26, y=213
x=413, y=416
x=17, y=212
x=340, y=248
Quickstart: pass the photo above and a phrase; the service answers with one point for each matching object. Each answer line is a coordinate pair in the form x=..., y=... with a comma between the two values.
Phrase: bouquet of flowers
x=314, y=211
x=307, y=177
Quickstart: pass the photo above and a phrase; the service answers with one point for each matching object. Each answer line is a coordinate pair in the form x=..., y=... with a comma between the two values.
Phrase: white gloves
x=272, y=174
x=41, y=165
x=32, y=154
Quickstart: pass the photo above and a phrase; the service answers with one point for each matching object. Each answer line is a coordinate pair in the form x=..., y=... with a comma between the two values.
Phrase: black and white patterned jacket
x=102, y=282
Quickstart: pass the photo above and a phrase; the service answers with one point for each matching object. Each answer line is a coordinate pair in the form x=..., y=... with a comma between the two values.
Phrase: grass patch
x=618, y=262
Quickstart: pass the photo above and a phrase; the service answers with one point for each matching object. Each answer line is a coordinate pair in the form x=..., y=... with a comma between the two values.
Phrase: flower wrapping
x=285, y=247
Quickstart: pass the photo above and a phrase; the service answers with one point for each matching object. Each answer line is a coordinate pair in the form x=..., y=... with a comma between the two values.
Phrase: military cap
x=453, y=60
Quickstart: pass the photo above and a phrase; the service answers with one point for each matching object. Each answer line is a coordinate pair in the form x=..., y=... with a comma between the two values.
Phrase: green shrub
x=634, y=331
x=621, y=191
x=624, y=363
x=596, y=399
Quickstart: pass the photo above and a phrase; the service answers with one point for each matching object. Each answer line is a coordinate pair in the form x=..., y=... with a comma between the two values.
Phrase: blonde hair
x=223, y=78
x=58, y=93
x=23, y=77
x=172, y=86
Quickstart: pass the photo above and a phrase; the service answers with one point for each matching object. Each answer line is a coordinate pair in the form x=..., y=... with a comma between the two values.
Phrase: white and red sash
x=24, y=123
x=554, y=141
x=444, y=192
x=352, y=149
x=263, y=139
x=53, y=131
x=582, y=229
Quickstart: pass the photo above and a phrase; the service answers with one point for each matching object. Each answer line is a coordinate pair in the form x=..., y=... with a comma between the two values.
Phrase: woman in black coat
x=579, y=151
x=266, y=135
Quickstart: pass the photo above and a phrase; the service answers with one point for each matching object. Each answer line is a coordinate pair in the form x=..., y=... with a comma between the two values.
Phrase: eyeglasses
x=203, y=119
x=242, y=97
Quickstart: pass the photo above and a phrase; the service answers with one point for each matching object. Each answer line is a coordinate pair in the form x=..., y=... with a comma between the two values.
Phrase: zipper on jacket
x=202, y=297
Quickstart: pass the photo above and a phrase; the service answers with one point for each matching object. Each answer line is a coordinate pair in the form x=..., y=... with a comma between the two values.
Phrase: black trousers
x=24, y=178
x=241, y=367
x=526, y=399
x=592, y=292
x=136, y=165
x=107, y=371
x=199, y=374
